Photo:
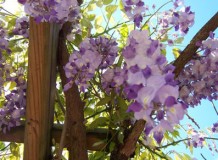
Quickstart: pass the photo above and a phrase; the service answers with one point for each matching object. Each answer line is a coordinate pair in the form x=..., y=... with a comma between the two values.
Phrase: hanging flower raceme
x=134, y=10
x=180, y=17
x=202, y=74
x=114, y=78
x=93, y=54
x=22, y=27
x=14, y=106
x=12, y=88
x=151, y=85
x=52, y=10
x=196, y=139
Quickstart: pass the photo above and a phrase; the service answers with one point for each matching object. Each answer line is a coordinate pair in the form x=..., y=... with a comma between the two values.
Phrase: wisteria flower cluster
x=201, y=139
x=3, y=40
x=52, y=10
x=151, y=85
x=22, y=27
x=181, y=19
x=215, y=128
x=114, y=78
x=14, y=106
x=12, y=88
x=199, y=79
x=196, y=139
x=93, y=54
x=134, y=10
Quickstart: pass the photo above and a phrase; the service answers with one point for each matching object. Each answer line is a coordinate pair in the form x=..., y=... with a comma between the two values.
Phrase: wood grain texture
x=16, y=134
x=40, y=90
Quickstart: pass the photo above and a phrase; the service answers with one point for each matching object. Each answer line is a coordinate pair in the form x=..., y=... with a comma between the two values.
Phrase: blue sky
x=203, y=114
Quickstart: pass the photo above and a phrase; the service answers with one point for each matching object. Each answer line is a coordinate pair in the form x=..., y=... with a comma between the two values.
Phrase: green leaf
x=106, y=2
x=146, y=27
x=91, y=7
x=99, y=122
x=98, y=22
x=112, y=146
x=120, y=61
x=98, y=143
x=122, y=104
x=89, y=111
x=14, y=148
x=175, y=133
x=2, y=145
x=191, y=149
x=176, y=52
x=124, y=31
x=121, y=6
x=186, y=156
x=86, y=23
x=91, y=17
x=111, y=9
x=103, y=101
x=78, y=39
x=120, y=137
x=99, y=155
x=179, y=40
x=164, y=52
x=99, y=3
x=12, y=85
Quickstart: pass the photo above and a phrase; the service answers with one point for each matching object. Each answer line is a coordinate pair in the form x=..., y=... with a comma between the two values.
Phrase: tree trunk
x=76, y=132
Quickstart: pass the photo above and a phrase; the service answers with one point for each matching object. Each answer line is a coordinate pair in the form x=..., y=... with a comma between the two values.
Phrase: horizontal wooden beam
x=16, y=134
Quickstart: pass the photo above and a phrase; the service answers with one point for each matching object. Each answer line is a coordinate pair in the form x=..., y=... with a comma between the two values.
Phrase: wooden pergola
x=47, y=52
x=38, y=130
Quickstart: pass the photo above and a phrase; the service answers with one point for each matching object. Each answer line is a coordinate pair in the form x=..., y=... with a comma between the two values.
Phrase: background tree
x=116, y=96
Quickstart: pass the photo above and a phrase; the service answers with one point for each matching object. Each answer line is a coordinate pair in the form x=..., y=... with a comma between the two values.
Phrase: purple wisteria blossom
x=52, y=10
x=22, y=27
x=196, y=139
x=93, y=54
x=12, y=88
x=215, y=127
x=134, y=10
x=202, y=74
x=151, y=85
x=180, y=17
x=113, y=78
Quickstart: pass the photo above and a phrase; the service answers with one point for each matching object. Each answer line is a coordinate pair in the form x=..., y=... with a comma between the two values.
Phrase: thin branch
x=8, y=12
x=56, y=116
x=5, y=147
x=148, y=148
x=182, y=140
x=62, y=141
x=192, y=119
x=173, y=143
x=95, y=114
x=214, y=107
x=203, y=156
x=155, y=13
x=109, y=29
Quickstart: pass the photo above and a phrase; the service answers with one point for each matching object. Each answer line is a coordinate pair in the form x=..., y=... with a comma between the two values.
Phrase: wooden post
x=43, y=42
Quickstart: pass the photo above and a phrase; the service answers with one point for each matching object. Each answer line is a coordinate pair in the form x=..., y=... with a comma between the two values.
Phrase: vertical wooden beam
x=43, y=41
